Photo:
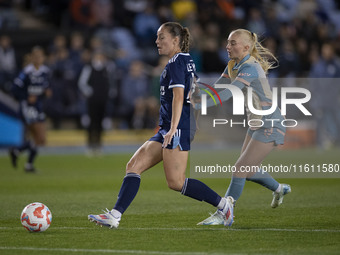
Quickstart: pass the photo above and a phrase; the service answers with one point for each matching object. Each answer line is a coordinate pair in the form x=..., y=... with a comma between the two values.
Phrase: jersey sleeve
x=48, y=74
x=224, y=78
x=18, y=89
x=177, y=74
x=246, y=75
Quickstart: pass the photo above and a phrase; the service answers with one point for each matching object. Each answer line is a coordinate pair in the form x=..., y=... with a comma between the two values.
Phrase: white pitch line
x=206, y=228
x=106, y=251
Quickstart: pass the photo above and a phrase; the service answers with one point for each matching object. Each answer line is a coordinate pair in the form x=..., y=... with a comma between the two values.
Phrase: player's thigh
x=38, y=132
x=175, y=164
x=252, y=157
x=245, y=143
x=148, y=155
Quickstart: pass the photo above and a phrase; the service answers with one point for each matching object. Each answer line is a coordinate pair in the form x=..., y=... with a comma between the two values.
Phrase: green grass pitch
x=161, y=221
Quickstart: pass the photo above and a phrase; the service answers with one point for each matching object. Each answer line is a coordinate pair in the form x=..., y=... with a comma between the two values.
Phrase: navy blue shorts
x=31, y=114
x=182, y=138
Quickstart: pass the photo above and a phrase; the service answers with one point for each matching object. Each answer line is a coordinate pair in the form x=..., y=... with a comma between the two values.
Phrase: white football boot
x=223, y=216
x=214, y=219
x=278, y=196
x=106, y=219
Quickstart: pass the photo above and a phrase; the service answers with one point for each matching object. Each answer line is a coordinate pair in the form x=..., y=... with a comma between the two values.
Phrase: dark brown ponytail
x=176, y=29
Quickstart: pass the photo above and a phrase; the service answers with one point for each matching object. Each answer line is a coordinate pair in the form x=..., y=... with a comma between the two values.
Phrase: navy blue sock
x=33, y=151
x=235, y=187
x=127, y=192
x=263, y=178
x=198, y=190
x=26, y=145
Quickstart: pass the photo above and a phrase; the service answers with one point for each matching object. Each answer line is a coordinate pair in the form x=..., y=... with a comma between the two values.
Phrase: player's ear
x=246, y=48
x=176, y=40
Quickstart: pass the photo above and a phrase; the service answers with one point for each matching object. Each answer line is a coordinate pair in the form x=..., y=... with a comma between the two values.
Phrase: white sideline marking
x=206, y=228
x=105, y=251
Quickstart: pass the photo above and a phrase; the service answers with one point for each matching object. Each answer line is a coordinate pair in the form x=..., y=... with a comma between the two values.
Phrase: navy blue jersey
x=32, y=82
x=179, y=72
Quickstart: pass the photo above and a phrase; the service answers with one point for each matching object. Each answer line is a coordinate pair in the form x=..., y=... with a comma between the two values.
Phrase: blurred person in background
x=256, y=22
x=134, y=91
x=325, y=76
x=65, y=102
x=76, y=50
x=59, y=42
x=30, y=88
x=8, y=66
x=94, y=84
x=211, y=61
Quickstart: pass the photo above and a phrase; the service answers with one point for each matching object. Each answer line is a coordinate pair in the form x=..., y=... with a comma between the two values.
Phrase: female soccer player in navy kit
x=30, y=88
x=172, y=143
x=247, y=68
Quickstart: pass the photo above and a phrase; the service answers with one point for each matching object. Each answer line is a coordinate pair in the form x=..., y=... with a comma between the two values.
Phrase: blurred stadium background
x=304, y=35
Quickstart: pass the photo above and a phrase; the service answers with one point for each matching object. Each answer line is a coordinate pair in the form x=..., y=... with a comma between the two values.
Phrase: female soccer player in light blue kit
x=172, y=143
x=247, y=68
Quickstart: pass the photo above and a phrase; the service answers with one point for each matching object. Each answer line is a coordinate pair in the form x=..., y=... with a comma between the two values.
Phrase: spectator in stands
x=145, y=27
x=288, y=60
x=256, y=23
x=8, y=64
x=59, y=42
x=325, y=74
x=134, y=95
x=94, y=84
x=183, y=8
x=211, y=61
x=66, y=93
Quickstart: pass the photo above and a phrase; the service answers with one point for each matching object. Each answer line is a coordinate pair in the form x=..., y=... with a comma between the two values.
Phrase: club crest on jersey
x=164, y=73
x=244, y=74
x=191, y=67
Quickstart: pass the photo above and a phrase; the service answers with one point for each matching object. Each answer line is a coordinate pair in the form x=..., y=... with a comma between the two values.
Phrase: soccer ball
x=36, y=217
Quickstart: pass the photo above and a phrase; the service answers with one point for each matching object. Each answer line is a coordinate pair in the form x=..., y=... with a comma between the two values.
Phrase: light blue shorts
x=267, y=135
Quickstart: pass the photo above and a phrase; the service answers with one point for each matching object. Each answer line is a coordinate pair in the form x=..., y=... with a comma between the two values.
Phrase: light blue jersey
x=249, y=73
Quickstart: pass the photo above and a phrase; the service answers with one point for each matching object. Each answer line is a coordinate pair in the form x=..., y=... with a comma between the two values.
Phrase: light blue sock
x=235, y=187
x=263, y=178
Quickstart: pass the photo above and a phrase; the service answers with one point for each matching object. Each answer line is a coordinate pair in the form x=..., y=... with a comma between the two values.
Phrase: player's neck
x=238, y=60
x=174, y=53
x=36, y=66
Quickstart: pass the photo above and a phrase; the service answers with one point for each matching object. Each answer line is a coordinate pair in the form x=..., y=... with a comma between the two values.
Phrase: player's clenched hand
x=167, y=138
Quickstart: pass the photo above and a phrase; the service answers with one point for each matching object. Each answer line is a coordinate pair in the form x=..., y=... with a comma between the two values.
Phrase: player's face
x=166, y=44
x=38, y=57
x=236, y=47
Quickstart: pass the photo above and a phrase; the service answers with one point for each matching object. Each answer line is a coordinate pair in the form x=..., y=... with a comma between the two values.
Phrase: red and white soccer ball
x=36, y=217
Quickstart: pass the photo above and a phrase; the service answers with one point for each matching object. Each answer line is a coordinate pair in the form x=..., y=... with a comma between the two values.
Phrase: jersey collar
x=236, y=66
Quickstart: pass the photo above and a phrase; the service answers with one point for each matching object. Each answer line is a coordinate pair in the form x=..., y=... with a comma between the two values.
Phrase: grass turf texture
x=161, y=221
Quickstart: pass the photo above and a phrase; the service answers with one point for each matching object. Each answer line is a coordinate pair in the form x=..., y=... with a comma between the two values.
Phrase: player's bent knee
x=129, y=166
x=175, y=185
